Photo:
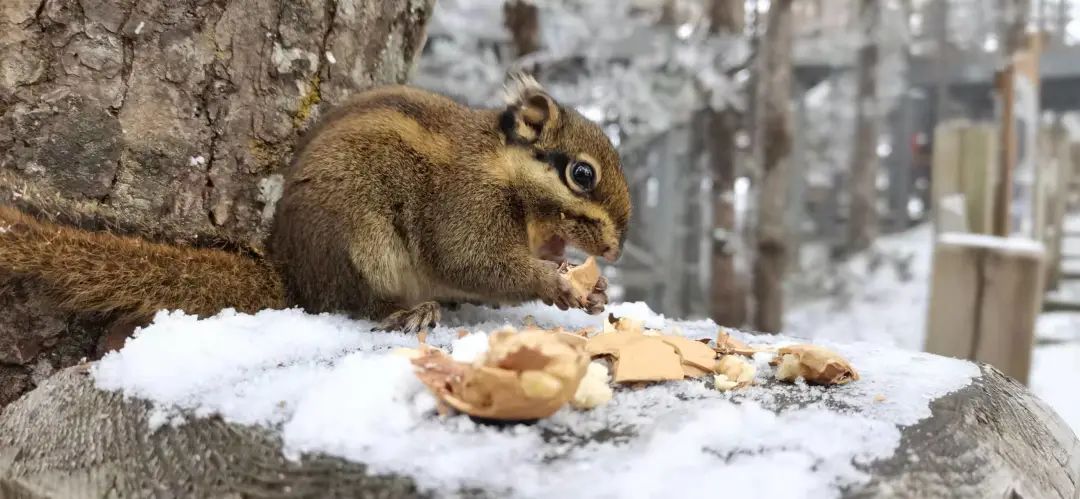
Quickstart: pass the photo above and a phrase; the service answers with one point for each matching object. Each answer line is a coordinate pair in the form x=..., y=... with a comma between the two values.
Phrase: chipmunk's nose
x=611, y=254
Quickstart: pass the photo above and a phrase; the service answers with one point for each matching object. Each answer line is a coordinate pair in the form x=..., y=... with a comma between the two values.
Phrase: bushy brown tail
x=103, y=272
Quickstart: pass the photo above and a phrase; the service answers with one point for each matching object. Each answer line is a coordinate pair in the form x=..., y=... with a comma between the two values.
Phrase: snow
x=327, y=384
x=1058, y=327
x=1055, y=363
x=469, y=348
x=1013, y=244
x=1054, y=369
x=878, y=297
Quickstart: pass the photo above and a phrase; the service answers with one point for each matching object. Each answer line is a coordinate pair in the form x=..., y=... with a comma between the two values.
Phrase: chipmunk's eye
x=582, y=176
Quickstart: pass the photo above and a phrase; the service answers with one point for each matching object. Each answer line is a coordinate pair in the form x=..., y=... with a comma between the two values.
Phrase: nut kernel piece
x=594, y=389
x=539, y=385
x=736, y=369
x=817, y=365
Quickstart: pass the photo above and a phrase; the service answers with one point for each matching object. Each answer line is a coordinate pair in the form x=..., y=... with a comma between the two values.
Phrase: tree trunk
x=862, y=214
x=728, y=294
x=169, y=119
x=773, y=151
x=522, y=19
x=1014, y=16
x=727, y=17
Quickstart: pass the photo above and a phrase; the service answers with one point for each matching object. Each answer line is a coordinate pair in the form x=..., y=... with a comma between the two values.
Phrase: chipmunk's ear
x=529, y=110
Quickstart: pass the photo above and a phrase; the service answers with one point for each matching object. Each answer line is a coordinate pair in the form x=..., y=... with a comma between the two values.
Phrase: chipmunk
x=397, y=203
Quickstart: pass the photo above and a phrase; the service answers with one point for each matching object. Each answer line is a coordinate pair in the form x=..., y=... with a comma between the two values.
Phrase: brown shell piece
x=816, y=364
x=726, y=345
x=641, y=355
x=524, y=376
x=583, y=278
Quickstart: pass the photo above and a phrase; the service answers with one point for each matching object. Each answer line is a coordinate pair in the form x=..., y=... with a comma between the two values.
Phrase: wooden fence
x=987, y=290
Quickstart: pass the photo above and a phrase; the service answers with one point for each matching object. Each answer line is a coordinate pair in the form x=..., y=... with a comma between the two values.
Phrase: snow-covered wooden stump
x=286, y=405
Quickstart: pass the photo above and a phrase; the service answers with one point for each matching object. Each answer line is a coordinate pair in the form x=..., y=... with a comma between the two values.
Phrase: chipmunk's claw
x=423, y=316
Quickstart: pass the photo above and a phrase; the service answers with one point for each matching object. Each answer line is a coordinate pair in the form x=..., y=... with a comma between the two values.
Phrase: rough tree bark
x=727, y=291
x=862, y=214
x=168, y=119
x=522, y=19
x=773, y=151
x=67, y=439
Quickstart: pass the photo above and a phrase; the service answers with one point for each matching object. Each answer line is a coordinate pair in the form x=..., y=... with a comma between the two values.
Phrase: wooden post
x=978, y=175
x=945, y=170
x=1041, y=188
x=1003, y=195
x=1056, y=174
x=1074, y=177
x=1018, y=99
x=951, y=214
x=985, y=295
x=965, y=159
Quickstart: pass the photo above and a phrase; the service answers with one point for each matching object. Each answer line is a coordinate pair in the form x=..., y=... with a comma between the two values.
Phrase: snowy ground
x=880, y=306
x=878, y=299
x=326, y=384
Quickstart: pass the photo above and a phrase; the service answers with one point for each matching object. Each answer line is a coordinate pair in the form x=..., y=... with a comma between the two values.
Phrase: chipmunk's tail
x=103, y=272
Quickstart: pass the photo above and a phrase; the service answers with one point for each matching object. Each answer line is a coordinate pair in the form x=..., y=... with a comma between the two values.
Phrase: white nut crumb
x=197, y=161
x=733, y=371
x=789, y=369
x=593, y=391
x=138, y=29
x=330, y=57
x=722, y=383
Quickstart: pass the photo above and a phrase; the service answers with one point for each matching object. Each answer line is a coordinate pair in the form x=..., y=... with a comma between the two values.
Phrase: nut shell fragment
x=583, y=278
x=523, y=376
x=641, y=355
x=648, y=359
x=623, y=325
x=698, y=359
x=817, y=365
x=726, y=345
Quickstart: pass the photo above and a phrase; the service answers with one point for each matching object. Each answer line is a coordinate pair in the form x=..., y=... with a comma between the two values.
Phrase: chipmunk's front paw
x=423, y=316
x=559, y=292
x=598, y=298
